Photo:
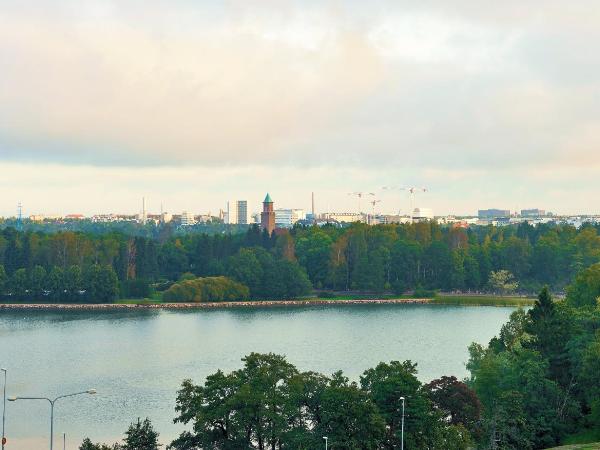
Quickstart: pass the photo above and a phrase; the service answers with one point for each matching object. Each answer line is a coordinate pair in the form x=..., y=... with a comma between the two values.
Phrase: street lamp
x=325, y=437
x=402, y=427
x=4, y=409
x=14, y=399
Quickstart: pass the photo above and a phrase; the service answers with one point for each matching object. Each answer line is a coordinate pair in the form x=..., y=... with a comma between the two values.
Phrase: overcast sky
x=487, y=104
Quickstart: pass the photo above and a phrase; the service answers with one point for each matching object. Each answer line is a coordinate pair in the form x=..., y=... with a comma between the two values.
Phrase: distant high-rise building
x=242, y=212
x=533, y=212
x=493, y=213
x=231, y=213
x=237, y=212
x=267, y=217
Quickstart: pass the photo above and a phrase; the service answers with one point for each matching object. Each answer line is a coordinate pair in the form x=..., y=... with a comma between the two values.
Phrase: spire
x=267, y=199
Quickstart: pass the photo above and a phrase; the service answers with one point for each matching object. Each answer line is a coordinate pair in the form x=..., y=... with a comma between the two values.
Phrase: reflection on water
x=138, y=358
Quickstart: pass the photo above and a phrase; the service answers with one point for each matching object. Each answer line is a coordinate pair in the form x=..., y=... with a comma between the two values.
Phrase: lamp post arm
x=34, y=398
x=69, y=395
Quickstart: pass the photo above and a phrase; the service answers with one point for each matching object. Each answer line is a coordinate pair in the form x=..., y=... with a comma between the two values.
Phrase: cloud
x=306, y=84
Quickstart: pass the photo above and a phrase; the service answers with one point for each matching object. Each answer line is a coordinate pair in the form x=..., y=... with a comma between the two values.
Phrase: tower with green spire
x=267, y=217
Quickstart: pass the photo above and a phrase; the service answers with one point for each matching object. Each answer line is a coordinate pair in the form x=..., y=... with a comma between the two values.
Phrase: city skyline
x=488, y=107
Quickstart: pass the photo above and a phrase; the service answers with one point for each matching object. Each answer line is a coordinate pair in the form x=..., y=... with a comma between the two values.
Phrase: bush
x=208, y=289
x=187, y=276
x=421, y=292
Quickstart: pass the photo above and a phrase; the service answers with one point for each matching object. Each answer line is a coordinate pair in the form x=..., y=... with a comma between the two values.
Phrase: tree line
x=531, y=387
x=289, y=263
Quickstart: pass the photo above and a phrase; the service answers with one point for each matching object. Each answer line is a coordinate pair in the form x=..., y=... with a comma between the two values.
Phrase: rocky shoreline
x=245, y=304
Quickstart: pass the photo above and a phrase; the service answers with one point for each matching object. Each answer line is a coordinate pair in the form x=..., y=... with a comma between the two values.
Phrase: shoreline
x=208, y=305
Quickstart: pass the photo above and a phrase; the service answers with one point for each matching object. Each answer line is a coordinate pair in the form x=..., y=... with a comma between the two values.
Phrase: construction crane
x=412, y=190
x=360, y=195
x=373, y=203
x=371, y=220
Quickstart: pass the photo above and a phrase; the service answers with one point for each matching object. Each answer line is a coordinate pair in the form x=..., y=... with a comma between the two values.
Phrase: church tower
x=267, y=217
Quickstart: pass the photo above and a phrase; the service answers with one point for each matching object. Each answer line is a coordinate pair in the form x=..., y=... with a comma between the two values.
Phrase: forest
x=89, y=266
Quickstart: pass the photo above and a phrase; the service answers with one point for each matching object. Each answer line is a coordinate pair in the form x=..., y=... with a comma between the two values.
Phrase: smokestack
x=313, y=208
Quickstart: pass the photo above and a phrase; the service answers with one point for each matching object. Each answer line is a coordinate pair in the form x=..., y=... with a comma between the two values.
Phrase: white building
x=286, y=218
x=344, y=217
x=187, y=218
x=166, y=217
x=422, y=214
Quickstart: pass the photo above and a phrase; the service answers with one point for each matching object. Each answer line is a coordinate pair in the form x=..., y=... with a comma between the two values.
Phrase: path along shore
x=210, y=305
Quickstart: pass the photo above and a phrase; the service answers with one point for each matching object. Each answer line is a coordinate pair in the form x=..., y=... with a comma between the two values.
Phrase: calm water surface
x=137, y=359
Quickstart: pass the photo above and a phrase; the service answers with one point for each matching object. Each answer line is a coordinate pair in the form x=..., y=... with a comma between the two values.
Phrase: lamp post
x=402, y=426
x=325, y=437
x=52, y=402
x=3, y=409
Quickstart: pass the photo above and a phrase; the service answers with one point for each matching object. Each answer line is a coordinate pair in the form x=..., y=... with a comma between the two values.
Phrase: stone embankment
x=249, y=304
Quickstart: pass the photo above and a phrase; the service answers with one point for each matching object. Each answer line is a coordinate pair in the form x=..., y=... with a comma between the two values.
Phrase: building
x=242, y=212
x=165, y=217
x=493, y=213
x=343, y=217
x=267, y=217
x=187, y=219
x=533, y=212
x=393, y=218
x=286, y=218
x=237, y=212
x=422, y=214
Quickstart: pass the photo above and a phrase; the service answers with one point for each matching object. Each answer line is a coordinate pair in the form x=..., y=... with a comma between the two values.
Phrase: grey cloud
x=300, y=84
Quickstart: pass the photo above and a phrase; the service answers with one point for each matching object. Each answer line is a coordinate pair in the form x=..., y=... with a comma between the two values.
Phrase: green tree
x=73, y=283
x=141, y=436
x=348, y=417
x=246, y=268
x=503, y=281
x=37, y=282
x=3, y=280
x=239, y=410
x=520, y=403
x=405, y=265
x=589, y=380
x=312, y=250
x=55, y=283
x=19, y=284
x=585, y=291
x=515, y=256
x=101, y=284
x=385, y=384
x=87, y=444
